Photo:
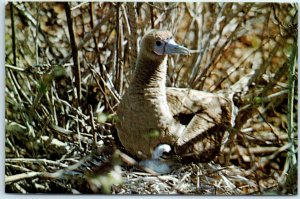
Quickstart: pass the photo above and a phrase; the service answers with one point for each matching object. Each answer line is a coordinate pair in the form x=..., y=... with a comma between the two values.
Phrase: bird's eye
x=158, y=43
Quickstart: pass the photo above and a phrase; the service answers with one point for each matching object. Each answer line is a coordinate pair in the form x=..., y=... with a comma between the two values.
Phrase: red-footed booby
x=192, y=122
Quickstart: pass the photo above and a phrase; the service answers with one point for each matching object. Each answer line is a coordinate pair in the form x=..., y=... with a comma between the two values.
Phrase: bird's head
x=157, y=44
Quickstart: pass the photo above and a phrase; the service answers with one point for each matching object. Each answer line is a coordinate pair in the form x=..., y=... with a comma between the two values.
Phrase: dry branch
x=76, y=66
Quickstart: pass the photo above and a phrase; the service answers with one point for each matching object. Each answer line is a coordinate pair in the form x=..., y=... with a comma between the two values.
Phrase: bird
x=192, y=122
x=157, y=163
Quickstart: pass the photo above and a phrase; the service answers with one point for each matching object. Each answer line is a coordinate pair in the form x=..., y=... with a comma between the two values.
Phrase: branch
x=21, y=176
x=76, y=67
x=91, y=8
x=132, y=36
x=291, y=97
x=118, y=66
x=151, y=14
x=13, y=35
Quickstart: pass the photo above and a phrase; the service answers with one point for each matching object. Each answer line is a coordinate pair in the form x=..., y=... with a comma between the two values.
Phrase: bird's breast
x=144, y=122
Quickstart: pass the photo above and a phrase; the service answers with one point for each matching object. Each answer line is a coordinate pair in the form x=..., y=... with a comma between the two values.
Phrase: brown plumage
x=149, y=114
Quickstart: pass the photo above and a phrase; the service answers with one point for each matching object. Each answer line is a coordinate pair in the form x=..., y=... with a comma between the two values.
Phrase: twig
x=33, y=174
x=36, y=34
x=151, y=14
x=17, y=89
x=12, y=147
x=199, y=60
x=79, y=5
x=13, y=35
x=101, y=85
x=201, y=78
x=117, y=66
x=94, y=73
x=274, y=95
x=15, y=68
x=22, y=176
x=93, y=128
x=32, y=160
x=291, y=95
x=133, y=36
x=161, y=9
x=126, y=18
x=246, y=112
x=262, y=95
x=76, y=67
x=266, y=160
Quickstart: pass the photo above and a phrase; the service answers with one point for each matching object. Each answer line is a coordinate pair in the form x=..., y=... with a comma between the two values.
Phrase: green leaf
x=42, y=86
x=102, y=117
x=257, y=100
x=256, y=42
x=58, y=71
x=153, y=134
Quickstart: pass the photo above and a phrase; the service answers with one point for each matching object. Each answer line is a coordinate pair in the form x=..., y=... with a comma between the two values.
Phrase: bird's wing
x=185, y=103
x=206, y=116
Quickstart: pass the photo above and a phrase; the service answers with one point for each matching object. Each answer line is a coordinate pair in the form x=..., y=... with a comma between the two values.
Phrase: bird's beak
x=172, y=48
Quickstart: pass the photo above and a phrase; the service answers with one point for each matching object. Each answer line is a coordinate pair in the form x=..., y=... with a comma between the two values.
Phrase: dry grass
x=68, y=64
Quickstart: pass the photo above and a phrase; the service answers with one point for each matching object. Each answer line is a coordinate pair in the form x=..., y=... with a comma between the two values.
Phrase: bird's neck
x=150, y=76
x=149, y=84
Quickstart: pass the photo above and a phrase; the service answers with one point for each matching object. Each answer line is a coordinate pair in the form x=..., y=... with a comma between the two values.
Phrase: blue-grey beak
x=172, y=48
